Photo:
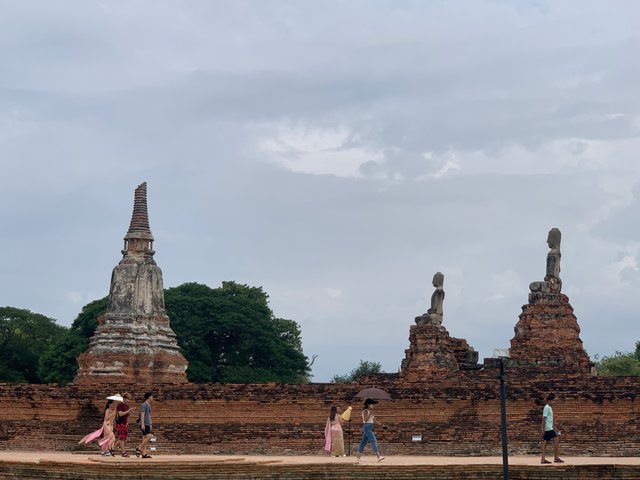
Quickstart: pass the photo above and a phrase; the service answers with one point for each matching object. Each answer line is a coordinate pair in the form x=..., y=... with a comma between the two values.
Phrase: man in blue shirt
x=549, y=431
x=146, y=426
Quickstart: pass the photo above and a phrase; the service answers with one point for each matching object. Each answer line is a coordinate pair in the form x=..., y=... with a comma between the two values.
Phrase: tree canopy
x=228, y=334
x=24, y=335
x=621, y=363
x=365, y=367
x=58, y=362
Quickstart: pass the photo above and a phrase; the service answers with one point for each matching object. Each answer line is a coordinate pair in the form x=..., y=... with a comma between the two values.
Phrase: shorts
x=146, y=430
x=550, y=435
x=122, y=431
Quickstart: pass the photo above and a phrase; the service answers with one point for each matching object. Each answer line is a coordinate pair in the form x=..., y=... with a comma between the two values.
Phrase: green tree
x=229, y=334
x=621, y=363
x=364, y=368
x=24, y=336
x=58, y=362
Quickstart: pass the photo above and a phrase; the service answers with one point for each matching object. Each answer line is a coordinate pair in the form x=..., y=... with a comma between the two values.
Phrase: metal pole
x=503, y=418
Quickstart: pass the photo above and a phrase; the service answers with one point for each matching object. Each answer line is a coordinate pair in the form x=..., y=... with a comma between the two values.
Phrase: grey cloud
x=99, y=97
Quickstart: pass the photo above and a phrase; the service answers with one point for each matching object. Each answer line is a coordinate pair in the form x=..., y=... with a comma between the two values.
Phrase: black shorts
x=550, y=435
x=146, y=430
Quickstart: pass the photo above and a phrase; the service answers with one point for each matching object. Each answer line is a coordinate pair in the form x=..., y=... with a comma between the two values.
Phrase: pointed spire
x=139, y=227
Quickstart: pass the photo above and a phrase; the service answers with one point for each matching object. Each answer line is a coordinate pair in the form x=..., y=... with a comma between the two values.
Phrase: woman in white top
x=368, y=435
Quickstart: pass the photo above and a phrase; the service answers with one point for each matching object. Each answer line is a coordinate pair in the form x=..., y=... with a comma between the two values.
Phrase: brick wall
x=456, y=414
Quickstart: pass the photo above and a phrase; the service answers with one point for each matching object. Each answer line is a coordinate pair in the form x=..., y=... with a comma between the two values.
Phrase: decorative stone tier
x=458, y=415
x=142, y=348
x=547, y=334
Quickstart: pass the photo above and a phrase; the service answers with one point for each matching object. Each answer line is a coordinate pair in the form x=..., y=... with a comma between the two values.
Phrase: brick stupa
x=432, y=351
x=134, y=341
x=547, y=334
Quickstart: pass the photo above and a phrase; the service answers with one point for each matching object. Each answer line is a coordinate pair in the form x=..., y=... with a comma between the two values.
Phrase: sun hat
x=117, y=397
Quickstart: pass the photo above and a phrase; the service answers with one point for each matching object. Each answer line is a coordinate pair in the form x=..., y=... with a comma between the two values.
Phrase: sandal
x=125, y=454
x=146, y=456
x=138, y=452
x=545, y=461
x=558, y=460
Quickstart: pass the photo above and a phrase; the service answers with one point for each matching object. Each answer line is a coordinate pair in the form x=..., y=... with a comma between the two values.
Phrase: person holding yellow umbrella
x=333, y=435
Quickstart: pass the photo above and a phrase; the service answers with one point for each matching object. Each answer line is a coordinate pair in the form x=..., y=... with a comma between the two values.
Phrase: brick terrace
x=40, y=465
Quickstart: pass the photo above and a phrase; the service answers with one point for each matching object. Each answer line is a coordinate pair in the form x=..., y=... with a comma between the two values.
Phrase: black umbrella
x=373, y=393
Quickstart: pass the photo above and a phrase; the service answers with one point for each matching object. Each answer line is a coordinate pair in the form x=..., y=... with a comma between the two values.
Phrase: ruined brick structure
x=441, y=393
x=432, y=351
x=547, y=334
x=134, y=341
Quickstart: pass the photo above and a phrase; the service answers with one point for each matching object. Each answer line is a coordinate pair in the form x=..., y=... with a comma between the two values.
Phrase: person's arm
x=122, y=413
x=544, y=420
x=142, y=419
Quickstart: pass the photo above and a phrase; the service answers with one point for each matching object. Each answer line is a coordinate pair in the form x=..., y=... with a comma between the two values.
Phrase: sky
x=336, y=153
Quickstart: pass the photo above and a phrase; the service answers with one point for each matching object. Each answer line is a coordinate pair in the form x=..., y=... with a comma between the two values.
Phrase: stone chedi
x=134, y=341
x=547, y=333
x=431, y=349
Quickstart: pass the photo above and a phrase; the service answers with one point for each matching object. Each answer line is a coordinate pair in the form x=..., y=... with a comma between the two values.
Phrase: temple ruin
x=134, y=341
x=547, y=334
x=443, y=396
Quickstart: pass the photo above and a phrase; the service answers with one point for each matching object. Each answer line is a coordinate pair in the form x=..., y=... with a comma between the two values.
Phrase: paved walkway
x=89, y=458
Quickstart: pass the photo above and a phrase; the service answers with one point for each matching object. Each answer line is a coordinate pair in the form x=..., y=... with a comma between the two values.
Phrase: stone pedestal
x=548, y=335
x=430, y=351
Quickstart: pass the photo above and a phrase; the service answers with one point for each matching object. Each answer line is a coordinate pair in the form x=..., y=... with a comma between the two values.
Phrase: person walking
x=333, y=436
x=549, y=431
x=122, y=423
x=146, y=426
x=106, y=430
x=368, y=435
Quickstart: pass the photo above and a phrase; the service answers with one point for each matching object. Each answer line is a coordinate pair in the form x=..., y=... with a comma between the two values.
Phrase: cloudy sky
x=337, y=153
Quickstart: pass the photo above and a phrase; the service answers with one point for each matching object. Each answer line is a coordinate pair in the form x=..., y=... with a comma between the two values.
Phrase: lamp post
x=502, y=354
x=503, y=418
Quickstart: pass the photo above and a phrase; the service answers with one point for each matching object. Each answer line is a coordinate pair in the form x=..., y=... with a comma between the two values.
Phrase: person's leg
x=556, y=447
x=371, y=437
x=112, y=442
x=363, y=442
x=146, y=437
x=374, y=445
x=145, y=444
x=544, y=451
x=121, y=443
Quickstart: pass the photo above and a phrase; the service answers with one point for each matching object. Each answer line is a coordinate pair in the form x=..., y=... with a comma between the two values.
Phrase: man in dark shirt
x=146, y=426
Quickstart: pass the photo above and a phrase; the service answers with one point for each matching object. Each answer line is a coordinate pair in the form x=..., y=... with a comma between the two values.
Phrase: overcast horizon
x=338, y=155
